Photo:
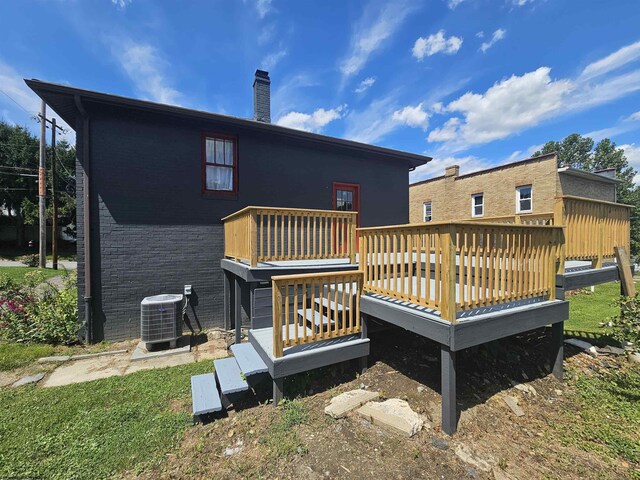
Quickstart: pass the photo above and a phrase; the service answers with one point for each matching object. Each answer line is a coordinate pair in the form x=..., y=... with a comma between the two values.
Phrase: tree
x=574, y=150
x=578, y=151
x=19, y=151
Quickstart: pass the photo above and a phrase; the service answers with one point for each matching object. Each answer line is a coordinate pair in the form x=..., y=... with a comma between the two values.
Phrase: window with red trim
x=220, y=164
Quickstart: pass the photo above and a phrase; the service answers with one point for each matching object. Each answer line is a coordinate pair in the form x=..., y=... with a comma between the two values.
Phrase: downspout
x=88, y=306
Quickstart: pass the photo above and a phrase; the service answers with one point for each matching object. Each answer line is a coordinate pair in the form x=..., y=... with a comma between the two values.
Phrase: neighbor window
x=524, y=199
x=220, y=164
x=477, y=205
x=427, y=211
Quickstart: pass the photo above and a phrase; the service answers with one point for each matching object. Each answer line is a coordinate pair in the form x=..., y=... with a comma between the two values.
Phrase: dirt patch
x=492, y=442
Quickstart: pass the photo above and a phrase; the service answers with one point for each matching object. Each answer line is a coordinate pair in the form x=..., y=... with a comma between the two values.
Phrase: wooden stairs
x=235, y=376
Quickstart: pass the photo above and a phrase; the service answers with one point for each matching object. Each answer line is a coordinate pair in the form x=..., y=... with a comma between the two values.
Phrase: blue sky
x=472, y=82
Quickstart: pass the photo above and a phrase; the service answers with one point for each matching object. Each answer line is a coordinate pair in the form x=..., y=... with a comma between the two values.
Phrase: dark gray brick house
x=154, y=181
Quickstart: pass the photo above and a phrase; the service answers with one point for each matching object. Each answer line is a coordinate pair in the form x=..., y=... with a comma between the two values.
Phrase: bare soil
x=491, y=442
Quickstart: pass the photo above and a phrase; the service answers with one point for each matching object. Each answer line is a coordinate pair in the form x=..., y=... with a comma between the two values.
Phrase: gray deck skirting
x=585, y=278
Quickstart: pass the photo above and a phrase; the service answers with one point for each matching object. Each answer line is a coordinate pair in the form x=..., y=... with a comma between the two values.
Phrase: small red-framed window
x=219, y=164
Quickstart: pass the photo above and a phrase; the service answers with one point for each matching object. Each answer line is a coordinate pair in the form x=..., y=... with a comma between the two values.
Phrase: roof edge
x=41, y=87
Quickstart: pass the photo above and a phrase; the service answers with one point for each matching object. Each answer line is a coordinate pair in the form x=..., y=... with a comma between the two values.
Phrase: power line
x=10, y=98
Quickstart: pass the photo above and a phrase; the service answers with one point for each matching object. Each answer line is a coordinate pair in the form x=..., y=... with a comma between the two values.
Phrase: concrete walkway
x=62, y=264
x=94, y=368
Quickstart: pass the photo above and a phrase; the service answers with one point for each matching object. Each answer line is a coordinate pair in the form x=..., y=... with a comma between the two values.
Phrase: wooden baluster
x=305, y=286
x=277, y=319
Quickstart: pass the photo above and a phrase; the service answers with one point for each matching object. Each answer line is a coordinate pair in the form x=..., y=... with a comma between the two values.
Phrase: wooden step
x=331, y=305
x=248, y=359
x=204, y=394
x=230, y=377
x=309, y=315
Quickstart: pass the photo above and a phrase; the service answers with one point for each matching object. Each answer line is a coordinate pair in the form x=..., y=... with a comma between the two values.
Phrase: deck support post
x=448, y=390
x=278, y=391
x=363, y=362
x=237, y=309
x=557, y=350
x=226, y=301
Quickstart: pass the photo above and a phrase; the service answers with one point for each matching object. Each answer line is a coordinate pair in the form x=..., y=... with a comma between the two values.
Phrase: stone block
x=347, y=401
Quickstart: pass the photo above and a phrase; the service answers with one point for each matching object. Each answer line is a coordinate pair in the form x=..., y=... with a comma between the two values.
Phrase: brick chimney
x=452, y=171
x=262, y=97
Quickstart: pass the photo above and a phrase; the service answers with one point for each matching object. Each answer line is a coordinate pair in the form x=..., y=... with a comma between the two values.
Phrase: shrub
x=38, y=312
x=30, y=260
x=625, y=327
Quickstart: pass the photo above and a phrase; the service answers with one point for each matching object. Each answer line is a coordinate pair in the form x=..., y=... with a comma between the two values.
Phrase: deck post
x=253, y=238
x=237, y=309
x=448, y=289
x=558, y=221
x=226, y=301
x=278, y=391
x=557, y=349
x=363, y=362
x=448, y=390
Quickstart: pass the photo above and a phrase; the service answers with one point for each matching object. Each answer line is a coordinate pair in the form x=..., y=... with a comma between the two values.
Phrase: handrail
x=520, y=218
x=286, y=209
x=336, y=292
x=455, y=266
x=263, y=234
x=593, y=200
x=447, y=223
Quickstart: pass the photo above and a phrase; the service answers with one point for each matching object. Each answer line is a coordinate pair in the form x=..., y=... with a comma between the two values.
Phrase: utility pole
x=42, y=187
x=54, y=203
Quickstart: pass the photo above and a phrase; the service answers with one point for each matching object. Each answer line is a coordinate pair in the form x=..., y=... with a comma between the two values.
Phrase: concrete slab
x=28, y=380
x=55, y=359
x=82, y=356
x=86, y=370
x=342, y=404
x=141, y=352
x=160, y=362
x=393, y=414
x=7, y=379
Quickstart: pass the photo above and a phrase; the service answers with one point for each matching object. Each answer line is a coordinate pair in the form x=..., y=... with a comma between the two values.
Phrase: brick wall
x=451, y=195
x=581, y=187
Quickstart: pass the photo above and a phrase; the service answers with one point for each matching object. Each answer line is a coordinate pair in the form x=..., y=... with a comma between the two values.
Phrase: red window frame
x=355, y=188
x=224, y=136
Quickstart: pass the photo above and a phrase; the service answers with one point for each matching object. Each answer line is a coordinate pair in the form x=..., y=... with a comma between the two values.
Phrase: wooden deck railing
x=450, y=266
x=521, y=219
x=263, y=234
x=593, y=228
x=294, y=292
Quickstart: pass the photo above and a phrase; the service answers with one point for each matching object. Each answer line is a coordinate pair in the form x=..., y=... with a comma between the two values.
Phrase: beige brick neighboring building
x=526, y=186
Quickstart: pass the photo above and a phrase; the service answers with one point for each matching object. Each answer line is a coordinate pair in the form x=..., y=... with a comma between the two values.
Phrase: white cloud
x=453, y=3
x=374, y=28
x=437, y=107
x=480, y=34
x=18, y=96
x=496, y=37
x=146, y=67
x=632, y=152
x=613, y=61
x=520, y=102
x=522, y=3
x=270, y=61
x=624, y=125
x=436, y=43
x=313, y=122
x=374, y=122
x=263, y=7
x=365, y=84
x=121, y=3
x=435, y=167
x=412, y=116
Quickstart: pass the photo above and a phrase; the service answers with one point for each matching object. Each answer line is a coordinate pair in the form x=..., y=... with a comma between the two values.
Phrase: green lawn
x=18, y=273
x=14, y=355
x=96, y=429
x=587, y=310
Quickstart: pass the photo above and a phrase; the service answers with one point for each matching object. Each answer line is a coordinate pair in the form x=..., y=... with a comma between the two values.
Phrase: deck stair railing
x=312, y=307
x=456, y=266
x=264, y=234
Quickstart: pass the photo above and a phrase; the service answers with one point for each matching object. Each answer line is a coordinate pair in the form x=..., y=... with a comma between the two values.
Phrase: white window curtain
x=219, y=178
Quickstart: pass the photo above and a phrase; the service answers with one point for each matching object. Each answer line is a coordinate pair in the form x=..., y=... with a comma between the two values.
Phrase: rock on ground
x=513, y=405
x=347, y=401
x=55, y=359
x=394, y=414
x=28, y=380
x=465, y=454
